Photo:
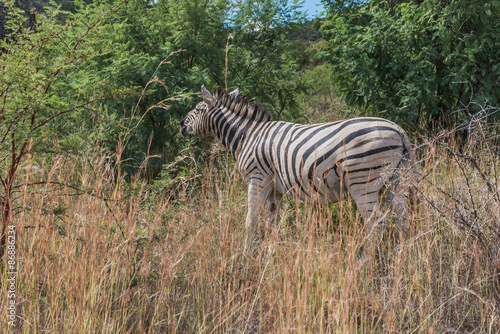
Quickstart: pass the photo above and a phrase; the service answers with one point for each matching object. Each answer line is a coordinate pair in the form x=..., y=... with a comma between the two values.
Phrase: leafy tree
x=104, y=73
x=260, y=60
x=215, y=43
x=44, y=92
x=415, y=61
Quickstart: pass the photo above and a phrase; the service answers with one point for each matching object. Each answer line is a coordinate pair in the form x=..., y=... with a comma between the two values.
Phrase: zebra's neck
x=230, y=128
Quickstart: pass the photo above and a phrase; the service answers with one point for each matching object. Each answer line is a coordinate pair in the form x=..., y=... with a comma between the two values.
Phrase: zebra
x=324, y=162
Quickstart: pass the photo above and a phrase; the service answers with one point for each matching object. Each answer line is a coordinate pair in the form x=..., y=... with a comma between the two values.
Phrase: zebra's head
x=196, y=123
x=193, y=123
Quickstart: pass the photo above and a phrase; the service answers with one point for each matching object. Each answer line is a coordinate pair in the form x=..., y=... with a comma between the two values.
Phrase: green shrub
x=415, y=61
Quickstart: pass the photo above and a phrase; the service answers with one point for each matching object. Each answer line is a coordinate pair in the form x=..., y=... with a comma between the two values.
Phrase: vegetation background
x=122, y=225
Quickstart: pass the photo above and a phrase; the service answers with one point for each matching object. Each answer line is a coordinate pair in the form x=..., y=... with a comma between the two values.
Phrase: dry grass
x=115, y=257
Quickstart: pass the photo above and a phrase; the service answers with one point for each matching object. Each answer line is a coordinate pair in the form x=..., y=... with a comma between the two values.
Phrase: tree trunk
x=6, y=207
x=6, y=214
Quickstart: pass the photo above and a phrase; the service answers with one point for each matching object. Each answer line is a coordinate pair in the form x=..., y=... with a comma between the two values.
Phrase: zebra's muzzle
x=186, y=130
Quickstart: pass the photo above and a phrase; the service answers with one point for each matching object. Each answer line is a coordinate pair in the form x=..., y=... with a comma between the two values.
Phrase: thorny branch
x=472, y=200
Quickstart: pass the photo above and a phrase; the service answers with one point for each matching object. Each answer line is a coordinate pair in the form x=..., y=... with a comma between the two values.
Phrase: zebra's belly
x=323, y=187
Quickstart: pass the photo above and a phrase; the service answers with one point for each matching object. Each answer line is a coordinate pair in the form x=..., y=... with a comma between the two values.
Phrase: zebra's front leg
x=274, y=201
x=256, y=199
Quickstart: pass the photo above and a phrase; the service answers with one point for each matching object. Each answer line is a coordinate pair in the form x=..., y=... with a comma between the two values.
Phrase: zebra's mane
x=241, y=105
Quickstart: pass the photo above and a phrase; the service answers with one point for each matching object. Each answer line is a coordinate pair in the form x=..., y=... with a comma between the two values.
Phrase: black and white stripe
x=323, y=162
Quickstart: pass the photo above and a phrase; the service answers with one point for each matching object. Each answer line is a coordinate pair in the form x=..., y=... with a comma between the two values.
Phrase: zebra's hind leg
x=369, y=206
x=274, y=202
x=402, y=198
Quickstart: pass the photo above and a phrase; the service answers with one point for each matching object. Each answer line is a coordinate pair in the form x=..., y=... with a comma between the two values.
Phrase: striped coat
x=320, y=162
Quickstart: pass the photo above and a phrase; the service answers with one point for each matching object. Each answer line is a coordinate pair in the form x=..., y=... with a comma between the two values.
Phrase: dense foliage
x=415, y=61
x=108, y=69
x=119, y=75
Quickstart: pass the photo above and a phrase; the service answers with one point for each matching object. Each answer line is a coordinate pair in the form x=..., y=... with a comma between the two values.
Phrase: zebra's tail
x=412, y=171
x=402, y=190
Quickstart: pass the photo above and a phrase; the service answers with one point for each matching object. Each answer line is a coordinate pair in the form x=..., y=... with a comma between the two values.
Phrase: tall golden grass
x=97, y=254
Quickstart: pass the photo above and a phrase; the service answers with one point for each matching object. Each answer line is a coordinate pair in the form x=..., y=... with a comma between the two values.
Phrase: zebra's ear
x=234, y=93
x=207, y=97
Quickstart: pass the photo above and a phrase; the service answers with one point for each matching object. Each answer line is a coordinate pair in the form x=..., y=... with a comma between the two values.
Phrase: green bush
x=415, y=61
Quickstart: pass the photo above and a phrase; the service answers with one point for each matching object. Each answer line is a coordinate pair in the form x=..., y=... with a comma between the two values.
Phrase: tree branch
x=66, y=111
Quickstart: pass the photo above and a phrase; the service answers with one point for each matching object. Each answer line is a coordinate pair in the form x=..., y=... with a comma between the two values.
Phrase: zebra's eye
x=200, y=107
